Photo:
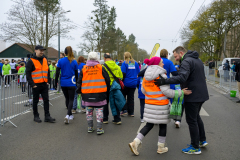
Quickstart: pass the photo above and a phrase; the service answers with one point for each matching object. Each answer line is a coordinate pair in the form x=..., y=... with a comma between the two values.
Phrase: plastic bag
x=79, y=102
x=176, y=108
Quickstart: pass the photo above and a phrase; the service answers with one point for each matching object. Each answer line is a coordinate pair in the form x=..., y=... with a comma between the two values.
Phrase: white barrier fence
x=16, y=97
x=223, y=79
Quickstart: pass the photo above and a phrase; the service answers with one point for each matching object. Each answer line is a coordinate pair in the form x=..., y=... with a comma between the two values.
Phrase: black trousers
x=42, y=88
x=142, y=104
x=7, y=80
x=69, y=97
x=148, y=127
x=195, y=123
x=13, y=71
x=128, y=93
x=106, y=113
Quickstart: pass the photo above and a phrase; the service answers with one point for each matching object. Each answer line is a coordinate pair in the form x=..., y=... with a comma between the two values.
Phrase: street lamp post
x=59, y=32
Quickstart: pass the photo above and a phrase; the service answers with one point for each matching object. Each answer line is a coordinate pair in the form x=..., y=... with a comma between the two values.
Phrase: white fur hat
x=93, y=56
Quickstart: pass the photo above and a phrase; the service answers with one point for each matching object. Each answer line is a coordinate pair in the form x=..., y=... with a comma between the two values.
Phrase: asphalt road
x=33, y=141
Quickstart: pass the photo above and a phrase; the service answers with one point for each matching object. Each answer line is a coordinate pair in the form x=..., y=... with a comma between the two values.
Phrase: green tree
x=25, y=25
x=100, y=18
x=207, y=33
x=47, y=7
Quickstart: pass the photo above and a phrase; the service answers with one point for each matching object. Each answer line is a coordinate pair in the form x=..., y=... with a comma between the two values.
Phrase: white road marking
x=7, y=118
x=141, y=126
x=203, y=112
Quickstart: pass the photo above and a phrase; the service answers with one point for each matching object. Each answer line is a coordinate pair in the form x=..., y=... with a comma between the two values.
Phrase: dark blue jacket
x=139, y=85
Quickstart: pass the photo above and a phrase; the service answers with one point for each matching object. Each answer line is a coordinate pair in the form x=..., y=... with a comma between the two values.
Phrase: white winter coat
x=158, y=114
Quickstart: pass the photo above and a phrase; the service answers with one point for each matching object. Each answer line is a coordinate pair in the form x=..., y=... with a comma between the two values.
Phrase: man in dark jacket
x=191, y=75
x=237, y=69
x=38, y=76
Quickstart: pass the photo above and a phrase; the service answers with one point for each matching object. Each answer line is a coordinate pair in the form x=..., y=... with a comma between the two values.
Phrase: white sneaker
x=142, y=121
x=66, y=119
x=71, y=117
x=5, y=86
x=177, y=124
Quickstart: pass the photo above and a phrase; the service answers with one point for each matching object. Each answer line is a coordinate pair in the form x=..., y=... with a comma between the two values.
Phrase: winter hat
x=152, y=61
x=93, y=56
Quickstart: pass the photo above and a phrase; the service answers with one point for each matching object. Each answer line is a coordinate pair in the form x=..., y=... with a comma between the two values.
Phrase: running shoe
x=105, y=122
x=90, y=129
x=100, y=131
x=203, y=143
x=191, y=150
x=84, y=110
x=123, y=113
x=177, y=124
x=71, y=117
x=73, y=111
x=142, y=121
x=116, y=122
x=66, y=119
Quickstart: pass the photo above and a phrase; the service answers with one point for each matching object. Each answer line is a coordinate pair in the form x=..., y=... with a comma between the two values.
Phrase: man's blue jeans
x=75, y=102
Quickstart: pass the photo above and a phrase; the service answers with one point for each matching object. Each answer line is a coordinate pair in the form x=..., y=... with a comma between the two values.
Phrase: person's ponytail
x=69, y=53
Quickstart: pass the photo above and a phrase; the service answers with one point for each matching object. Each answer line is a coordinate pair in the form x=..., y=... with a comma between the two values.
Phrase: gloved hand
x=161, y=81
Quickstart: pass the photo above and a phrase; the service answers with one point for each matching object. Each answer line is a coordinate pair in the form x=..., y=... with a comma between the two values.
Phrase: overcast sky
x=148, y=20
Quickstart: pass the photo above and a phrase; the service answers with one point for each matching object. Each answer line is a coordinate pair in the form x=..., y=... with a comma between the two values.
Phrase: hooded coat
x=191, y=75
x=158, y=114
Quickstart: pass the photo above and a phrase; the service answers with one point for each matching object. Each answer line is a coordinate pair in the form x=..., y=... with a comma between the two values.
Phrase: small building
x=19, y=50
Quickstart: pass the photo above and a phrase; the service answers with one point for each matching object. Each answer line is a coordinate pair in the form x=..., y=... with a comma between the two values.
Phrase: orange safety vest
x=154, y=95
x=93, y=80
x=40, y=74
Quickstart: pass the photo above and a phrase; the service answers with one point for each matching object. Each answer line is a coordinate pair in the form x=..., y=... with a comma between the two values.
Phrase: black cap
x=39, y=47
x=107, y=56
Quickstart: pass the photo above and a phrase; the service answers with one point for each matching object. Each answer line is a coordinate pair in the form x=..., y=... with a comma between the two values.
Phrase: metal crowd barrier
x=223, y=79
x=16, y=98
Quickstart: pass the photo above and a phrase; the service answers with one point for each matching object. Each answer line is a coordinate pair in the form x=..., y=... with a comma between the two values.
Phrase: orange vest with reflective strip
x=93, y=80
x=40, y=74
x=153, y=94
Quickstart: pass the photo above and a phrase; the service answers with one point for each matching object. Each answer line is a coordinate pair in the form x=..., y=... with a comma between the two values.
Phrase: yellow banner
x=155, y=49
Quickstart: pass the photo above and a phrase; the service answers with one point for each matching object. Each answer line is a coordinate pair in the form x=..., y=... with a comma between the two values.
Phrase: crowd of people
x=92, y=85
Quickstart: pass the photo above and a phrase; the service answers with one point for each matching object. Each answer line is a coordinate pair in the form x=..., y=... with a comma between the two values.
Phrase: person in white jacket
x=157, y=107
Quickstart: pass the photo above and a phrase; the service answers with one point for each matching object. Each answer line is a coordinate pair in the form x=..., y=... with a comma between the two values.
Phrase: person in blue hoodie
x=69, y=75
x=130, y=70
x=141, y=96
x=81, y=63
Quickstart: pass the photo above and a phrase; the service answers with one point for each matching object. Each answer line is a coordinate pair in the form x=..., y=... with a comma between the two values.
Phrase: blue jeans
x=75, y=102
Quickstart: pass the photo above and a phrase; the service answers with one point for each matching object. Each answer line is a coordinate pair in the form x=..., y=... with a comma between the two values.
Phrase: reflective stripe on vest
x=40, y=74
x=93, y=80
x=154, y=94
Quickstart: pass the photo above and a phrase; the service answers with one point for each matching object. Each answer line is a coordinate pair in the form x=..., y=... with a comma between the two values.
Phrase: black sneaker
x=49, y=119
x=37, y=119
x=116, y=122
x=238, y=101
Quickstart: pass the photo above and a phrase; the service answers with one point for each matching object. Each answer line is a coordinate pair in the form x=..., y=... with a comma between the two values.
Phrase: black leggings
x=149, y=126
x=7, y=80
x=69, y=96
